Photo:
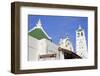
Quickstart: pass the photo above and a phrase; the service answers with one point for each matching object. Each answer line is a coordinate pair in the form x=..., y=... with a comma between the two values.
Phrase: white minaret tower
x=81, y=46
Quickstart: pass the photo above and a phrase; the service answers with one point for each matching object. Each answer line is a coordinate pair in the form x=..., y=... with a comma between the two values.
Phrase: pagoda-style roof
x=38, y=32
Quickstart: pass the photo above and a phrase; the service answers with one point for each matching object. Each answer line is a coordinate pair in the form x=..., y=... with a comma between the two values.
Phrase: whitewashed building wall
x=33, y=49
x=41, y=47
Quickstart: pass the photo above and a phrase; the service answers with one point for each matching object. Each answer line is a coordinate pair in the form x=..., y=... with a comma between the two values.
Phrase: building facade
x=41, y=47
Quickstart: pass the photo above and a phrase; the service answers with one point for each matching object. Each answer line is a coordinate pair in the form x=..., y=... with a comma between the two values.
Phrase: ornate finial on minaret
x=67, y=37
x=39, y=24
x=79, y=27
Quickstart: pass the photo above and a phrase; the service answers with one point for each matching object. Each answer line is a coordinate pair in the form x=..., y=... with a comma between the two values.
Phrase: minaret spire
x=79, y=27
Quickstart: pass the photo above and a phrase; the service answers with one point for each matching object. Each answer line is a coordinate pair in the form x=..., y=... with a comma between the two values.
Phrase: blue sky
x=60, y=26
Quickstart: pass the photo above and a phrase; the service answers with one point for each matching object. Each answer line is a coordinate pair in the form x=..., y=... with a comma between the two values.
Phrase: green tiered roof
x=38, y=34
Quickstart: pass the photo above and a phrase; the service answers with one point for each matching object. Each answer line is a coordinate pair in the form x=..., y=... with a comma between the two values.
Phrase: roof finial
x=67, y=37
x=39, y=23
x=79, y=27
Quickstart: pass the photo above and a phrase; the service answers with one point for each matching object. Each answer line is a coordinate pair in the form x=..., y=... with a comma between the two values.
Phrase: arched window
x=78, y=34
x=81, y=33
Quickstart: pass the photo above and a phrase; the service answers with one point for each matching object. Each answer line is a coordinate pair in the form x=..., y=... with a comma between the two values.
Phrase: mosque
x=41, y=47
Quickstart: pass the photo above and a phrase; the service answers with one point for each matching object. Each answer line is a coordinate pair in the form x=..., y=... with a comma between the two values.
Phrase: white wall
x=5, y=33
x=33, y=50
